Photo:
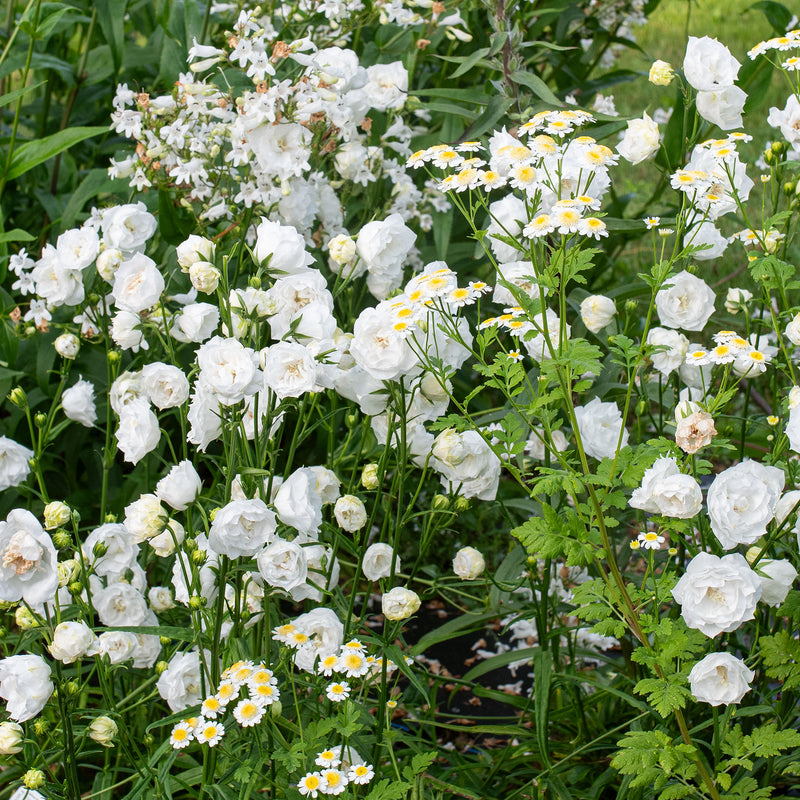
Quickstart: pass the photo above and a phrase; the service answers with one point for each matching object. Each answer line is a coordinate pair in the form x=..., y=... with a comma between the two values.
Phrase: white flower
x=600, y=427
x=71, y=641
x=722, y=107
x=387, y=86
x=777, y=578
x=377, y=562
x=145, y=518
x=665, y=490
x=228, y=369
x=326, y=634
x=204, y=277
x=290, y=369
x=195, y=322
x=28, y=560
x=671, y=354
x=597, y=311
x=297, y=503
x=737, y=298
x=283, y=564
x=126, y=331
x=399, y=603
x=118, y=547
x=138, y=284
x=194, y=249
x=25, y=685
x=720, y=679
x=709, y=65
x=469, y=564
x=793, y=429
x=350, y=513
x=716, y=594
x=180, y=487
x=284, y=245
x=788, y=120
x=661, y=73
x=160, y=599
x=383, y=247
x=381, y=352
x=686, y=304
x=14, y=466
x=120, y=604
x=180, y=683
x=138, y=432
x=241, y=528
x=165, y=385
x=67, y=345
x=467, y=463
x=118, y=646
x=11, y=738
x=128, y=227
x=742, y=500
x=78, y=403
x=102, y=730
x=641, y=141
x=705, y=233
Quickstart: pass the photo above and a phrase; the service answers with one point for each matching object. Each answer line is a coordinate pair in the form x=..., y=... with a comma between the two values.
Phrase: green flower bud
x=18, y=397
x=62, y=539
x=34, y=779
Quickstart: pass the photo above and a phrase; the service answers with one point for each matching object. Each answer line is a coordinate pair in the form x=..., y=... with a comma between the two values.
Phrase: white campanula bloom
x=118, y=546
x=180, y=487
x=165, y=385
x=29, y=563
x=25, y=685
x=687, y=303
x=709, y=65
x=742, y=501
x=180, y=683
x=14, y=466
x=387, y=86
x=787, y=121
x=281, y=149
x=71, y=641
x=55, y=281
x=284, y=246
x=121, y=604
x=717, y=595
x=79, y=247
x=641, y=141
x=399, y=603
x=78, y=403
x=195, y=322
x=138, y=432
x=777, y=578
x=138, y=284
x=325, y=634
x=128, y=227
x=665, y=490
x=11, y=738
x=290, y=369
x=380, y=350
x=377, y=562
x=720, y=679
x=350, y=513
x=466, y=463
x=671, y=348
x=228, y=369
x=601, y=428
x=597, y=311
x=469, y=564
x=383, y=245
x=283, y=564
x=242, y=528
x=722, y=107
x=506, y=219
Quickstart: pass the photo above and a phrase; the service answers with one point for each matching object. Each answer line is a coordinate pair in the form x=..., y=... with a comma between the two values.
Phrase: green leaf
x=537, y=86
x=16, y=235
x=664, y=694
x=111, y=16
x=174, y=223
x=10, y=97
x=389, y=790
x=495, y=109
x=33, y=153
x=776, y=13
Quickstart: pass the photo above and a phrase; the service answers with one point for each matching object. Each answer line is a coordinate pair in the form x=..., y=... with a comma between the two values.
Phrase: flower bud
x=18, y=397
x=204, y=277
x=99, y=549
x=276, y=709
x=399, y=603
x=661, y=73
x=41, y=726
x=33, y=779
x=103, y=730
x=196, y=602
x=369, y=477
x=462, y=503
x=56, y=514
x=161, y=666
x=11, y=738
x=40, y=419
x=350, y=513
x=469, y=564
x=67, y=345
x=441, y=501
x=75, y=588
x=25, y=618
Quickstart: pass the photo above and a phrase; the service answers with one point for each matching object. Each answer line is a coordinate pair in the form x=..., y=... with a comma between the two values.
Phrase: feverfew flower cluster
x=246, y=690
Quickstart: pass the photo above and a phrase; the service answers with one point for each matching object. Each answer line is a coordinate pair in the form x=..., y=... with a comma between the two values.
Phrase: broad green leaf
x=33, y=153
x=537, y=86
x=11, y=97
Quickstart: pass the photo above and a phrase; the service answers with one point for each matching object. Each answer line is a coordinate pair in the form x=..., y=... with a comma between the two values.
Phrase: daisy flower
x=337, y=692
x=592, y=227
x=327, y=665
x=361, y=774
x=539, y=226
x=182, y=735
x=334, y=781
x=327, y=758
x=265, y=694
x=652, y=222
x=514, y=355
x=248, y=713
x=283, y=632
x=490, y=179
x=211, y=707
x=353, y=664
x=651, y=540
x=479, y=287
x=209, y=732
x=310, y=785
